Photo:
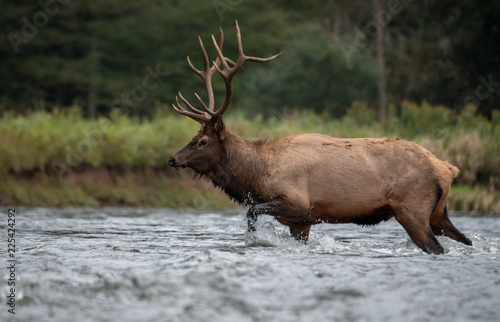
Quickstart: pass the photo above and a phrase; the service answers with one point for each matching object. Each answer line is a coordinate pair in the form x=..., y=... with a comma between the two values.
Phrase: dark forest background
x=131, y=55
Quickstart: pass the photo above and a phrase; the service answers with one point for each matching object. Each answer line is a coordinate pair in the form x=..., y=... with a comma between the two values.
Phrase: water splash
x=270, y=233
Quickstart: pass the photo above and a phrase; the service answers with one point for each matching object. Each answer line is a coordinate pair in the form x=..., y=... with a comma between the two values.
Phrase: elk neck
x=241, y=170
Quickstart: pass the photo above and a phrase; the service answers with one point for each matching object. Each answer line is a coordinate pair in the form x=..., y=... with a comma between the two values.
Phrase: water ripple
x=118, y=264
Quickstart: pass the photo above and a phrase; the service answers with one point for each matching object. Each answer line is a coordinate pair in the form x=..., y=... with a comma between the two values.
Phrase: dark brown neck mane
x=240, y=170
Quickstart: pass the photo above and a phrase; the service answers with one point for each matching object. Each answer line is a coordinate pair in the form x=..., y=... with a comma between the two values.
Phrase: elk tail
x=454, y=170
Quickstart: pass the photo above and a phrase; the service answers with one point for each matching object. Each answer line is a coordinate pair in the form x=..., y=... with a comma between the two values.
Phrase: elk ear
x=220, y=127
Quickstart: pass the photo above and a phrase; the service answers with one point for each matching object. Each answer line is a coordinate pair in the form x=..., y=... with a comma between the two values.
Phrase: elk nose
x=171, y=162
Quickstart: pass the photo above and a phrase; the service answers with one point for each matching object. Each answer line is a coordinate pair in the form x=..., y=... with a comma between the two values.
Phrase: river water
x=117, y=264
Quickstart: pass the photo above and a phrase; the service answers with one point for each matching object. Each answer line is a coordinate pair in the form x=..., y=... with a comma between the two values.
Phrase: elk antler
x=209, y=115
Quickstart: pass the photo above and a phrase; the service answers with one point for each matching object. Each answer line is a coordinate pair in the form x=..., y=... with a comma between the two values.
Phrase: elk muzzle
x=174, y=163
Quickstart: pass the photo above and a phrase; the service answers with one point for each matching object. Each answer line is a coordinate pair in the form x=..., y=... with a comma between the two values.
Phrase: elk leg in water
x=441, y=225
x=300, y=231
x=292, y=216
x=419, y=230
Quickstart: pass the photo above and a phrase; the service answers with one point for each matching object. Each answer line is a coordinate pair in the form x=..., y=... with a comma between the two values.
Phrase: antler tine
x=191, y=107
x=203, y=104
x=201, y=118
x=221, y=44
x=229, y=61
x=208, y=80
x=249, y=58
x=206, y=75
x=227, y=72
x=206, y=62
x=209, y=116
x=198, y=72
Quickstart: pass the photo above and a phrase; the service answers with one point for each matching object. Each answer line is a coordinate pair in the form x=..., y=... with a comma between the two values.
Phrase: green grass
x=476, y=199
x=61, y=158
x=126, y=189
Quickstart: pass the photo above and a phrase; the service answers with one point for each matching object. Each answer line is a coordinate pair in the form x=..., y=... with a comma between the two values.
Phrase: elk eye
x=203, y=142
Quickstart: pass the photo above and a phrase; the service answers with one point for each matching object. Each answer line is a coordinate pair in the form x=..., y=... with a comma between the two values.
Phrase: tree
x=107, y=54
x=378, y=7
x=444, y=59
x=311, y=74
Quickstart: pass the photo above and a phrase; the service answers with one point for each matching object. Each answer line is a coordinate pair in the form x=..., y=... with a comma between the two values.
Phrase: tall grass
x=44, y=141
x=42, y=152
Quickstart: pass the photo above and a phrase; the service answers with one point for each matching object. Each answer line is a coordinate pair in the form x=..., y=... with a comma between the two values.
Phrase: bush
x=313, y=74
x=40, y=146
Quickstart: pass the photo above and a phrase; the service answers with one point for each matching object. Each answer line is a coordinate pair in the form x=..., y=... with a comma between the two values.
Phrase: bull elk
x=305, y=179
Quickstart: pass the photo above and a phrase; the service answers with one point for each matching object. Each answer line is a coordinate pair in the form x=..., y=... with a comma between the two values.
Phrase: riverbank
x=97, y=187
x=105, y=186
x=61, y=159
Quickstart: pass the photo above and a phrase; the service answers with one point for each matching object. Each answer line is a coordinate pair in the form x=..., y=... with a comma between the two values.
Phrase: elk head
x=205, y=150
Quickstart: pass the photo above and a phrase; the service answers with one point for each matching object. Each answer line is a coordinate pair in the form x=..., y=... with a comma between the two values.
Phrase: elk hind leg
x=441, y=225
x=416, y=224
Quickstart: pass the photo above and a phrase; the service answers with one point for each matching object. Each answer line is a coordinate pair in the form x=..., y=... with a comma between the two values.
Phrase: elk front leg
x=292, y=216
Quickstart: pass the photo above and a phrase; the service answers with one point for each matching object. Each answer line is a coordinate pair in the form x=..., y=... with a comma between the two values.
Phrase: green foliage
x=417, y=118
x=440, y=50
x=312, y=73
x=61, y=158
x=466, y=139
x=474, y=198
x=124, y=60
x=44, y=141
x=131, y=189
x=360, y=115
x=98, y=54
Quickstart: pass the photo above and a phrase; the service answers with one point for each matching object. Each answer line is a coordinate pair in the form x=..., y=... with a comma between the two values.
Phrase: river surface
x=116, y=264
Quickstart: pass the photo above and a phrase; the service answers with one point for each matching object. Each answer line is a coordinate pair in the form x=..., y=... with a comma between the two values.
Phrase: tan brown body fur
x=306, y=179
